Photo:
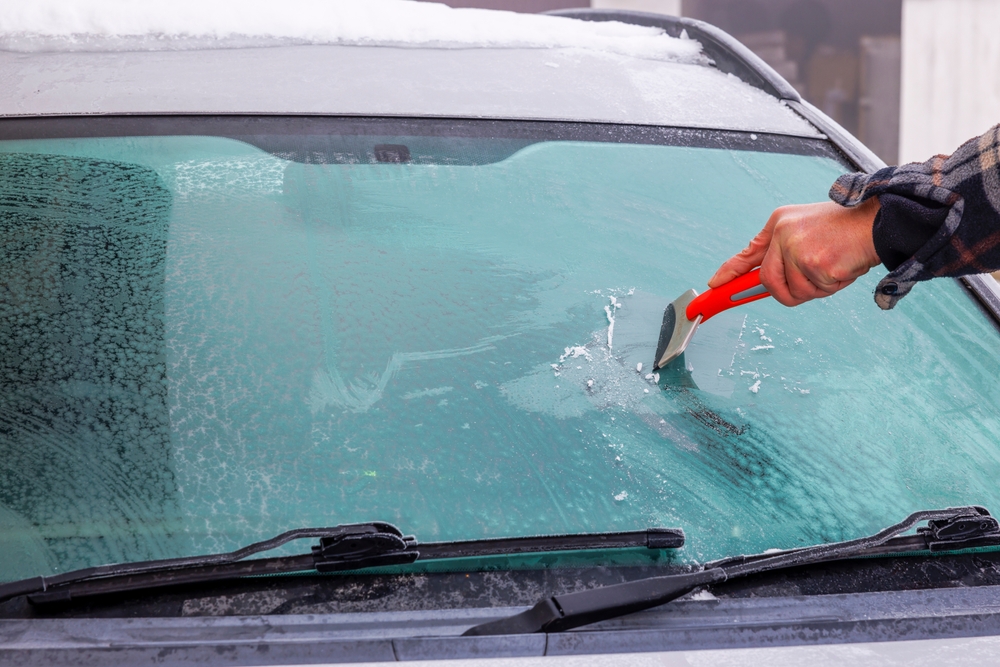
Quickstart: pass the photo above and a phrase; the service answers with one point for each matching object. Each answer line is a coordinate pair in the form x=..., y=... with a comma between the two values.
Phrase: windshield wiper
x=949, y=529
x=346, y=547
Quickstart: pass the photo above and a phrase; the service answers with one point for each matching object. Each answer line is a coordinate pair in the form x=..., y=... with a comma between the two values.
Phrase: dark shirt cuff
x=903, y=226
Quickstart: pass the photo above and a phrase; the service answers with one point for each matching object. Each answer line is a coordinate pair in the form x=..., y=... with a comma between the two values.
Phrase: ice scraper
x=690, y=309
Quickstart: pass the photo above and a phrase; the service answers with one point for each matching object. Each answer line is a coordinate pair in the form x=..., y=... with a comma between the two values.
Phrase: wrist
x=864, y=216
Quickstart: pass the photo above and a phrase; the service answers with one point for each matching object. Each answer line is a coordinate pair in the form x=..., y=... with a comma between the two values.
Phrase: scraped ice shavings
x=611, y=326
x=604, y=381
x=609, y=311
x=573, y=353
x=570, y=353
x=109, y=25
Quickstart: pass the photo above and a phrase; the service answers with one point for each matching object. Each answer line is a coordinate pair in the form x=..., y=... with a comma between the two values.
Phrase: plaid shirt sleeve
x=938, y=218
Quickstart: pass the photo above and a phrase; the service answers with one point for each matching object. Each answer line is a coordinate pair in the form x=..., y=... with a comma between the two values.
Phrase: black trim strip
x=291, y=137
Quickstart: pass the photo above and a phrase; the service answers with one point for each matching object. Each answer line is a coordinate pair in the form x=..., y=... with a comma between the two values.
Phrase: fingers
x=802, y=282
x=788, y=286
x=792, y=275
x=772, y=276
x=782, y=277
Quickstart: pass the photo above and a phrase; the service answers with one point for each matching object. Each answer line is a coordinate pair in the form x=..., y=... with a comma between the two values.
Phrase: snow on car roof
x=379, y=57
x=80, y=25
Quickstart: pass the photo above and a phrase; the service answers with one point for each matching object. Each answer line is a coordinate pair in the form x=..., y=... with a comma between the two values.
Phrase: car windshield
x=213, y=331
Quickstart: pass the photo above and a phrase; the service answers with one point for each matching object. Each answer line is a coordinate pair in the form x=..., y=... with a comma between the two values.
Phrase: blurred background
x=910, y=78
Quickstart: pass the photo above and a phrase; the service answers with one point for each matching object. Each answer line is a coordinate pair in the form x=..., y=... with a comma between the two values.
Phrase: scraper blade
x=682, y=317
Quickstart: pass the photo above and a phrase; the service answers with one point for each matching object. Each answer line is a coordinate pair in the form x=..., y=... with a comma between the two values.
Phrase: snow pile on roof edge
x=116, y=25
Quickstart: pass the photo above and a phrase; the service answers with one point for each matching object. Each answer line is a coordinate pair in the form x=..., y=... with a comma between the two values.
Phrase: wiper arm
x=346, y=547
x=947, y=530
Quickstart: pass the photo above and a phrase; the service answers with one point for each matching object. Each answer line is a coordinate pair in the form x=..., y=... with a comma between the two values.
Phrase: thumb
x=747, y=259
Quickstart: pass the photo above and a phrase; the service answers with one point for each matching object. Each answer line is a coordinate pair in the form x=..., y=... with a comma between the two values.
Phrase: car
x=322, y=347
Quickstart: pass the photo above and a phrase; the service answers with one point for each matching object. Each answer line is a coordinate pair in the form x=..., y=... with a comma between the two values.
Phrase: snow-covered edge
x=130, y=25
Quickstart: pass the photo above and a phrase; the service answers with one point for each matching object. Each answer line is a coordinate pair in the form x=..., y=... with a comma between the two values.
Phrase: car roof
x=563, y=83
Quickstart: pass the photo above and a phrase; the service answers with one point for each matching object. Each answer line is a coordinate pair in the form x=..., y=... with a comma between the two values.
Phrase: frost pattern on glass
x=85, y=471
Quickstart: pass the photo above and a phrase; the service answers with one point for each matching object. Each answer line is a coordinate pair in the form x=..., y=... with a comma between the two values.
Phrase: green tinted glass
x=203, y=343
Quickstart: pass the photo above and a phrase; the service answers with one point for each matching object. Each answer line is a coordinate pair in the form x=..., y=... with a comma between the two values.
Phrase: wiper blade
x=949, y=529
x=340, y=547
x=345, y=547
x=651, y=538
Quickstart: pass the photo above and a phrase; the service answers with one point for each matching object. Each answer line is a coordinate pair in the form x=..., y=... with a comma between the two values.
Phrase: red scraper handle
x=736, y=292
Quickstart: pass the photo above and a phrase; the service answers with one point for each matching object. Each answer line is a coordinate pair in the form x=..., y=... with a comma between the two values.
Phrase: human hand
x=808, y=251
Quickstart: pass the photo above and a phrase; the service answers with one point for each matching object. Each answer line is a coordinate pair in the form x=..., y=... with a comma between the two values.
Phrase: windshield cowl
x=953, y=528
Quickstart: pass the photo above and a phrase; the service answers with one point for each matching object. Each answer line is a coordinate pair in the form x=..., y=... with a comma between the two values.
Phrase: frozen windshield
x=207, y=340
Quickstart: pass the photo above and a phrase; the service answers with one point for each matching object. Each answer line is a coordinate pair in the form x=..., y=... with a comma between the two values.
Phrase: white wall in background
x=672, y=7
x=951, y=74
x=878, y=105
